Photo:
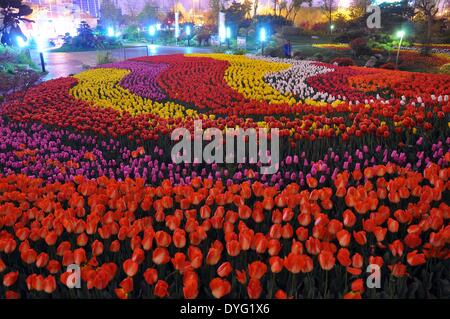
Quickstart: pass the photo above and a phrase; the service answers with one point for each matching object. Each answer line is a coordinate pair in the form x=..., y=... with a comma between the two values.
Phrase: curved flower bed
x=142, y=78
x=87, y=179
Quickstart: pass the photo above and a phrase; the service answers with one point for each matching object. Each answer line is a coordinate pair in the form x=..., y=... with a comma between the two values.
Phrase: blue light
x=228, y=33
x=188, y=30
x=152, y=30
x=21, y=42
x=262, y=35
x=111, y=32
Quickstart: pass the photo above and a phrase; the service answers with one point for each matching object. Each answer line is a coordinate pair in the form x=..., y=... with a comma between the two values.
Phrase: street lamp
x=21, y=42
x=152, y=32
x=188, y=34
x=228, y=36
x=400, y=34
x=332, y=28
x=111, y=32
x=262, y=38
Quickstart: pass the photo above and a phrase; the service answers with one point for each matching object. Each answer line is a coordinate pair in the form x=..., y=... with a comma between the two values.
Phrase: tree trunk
x=429, y=27
x=255, y=8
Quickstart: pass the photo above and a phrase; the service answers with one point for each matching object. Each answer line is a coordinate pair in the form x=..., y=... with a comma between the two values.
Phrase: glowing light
x=262, y=35
x=152, y=30
x=188, y=30
x=400, y=34
x=111, y=32
x=228, y=32
x=21, y=42
x=153, y=49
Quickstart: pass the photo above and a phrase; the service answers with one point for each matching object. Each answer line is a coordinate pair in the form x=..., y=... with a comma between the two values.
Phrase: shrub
x=388, y=66
x=359, y=46
x=343, y=61
x=105, y=58
x=298, y=55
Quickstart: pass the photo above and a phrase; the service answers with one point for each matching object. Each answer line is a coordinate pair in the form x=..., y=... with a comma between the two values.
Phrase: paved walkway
x=61, y=64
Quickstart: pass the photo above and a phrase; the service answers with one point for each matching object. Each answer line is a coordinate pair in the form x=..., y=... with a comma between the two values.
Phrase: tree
x=235, y=14
x=294, y=7
x=247, y=7
x=85, y=38
x=358, y=8
x=149, y=13
x=428, y=9
x=13, y=12
x=255, y=7
x=329, y=6
x=110, y=14
x=216, y=6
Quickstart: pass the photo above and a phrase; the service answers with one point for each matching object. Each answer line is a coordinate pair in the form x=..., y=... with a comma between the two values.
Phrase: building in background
x=91, y=7
x=55, y=18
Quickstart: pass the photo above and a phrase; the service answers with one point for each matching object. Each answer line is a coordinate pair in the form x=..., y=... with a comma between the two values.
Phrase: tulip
x=10, y=278
x=326, y=260
x=161, y=289
x=130, y=267
x=219, y=287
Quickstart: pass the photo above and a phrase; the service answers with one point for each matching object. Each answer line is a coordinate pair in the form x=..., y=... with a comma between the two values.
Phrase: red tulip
x=220, y=287
x=225, y=269
x=415, y=259
x=160, y=256
x=161, y=289
x=130, y=267
x=254, y=289
x=10, y=278
x=326, y=260
x=257, y=269
x=151, y=276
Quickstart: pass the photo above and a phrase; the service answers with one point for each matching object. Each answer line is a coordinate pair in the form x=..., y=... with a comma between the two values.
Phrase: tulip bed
x=87, y=179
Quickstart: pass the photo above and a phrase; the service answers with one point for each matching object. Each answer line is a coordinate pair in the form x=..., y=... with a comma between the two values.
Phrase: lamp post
x=262, y=38
x=400, y=34
x=152, y=32
x=188, y=34
x=332, y=28
x=228, y=36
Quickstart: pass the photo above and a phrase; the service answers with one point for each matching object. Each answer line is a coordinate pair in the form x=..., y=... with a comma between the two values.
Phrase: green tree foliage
x=12, y=13
x=149, y=14
x=110, y=14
